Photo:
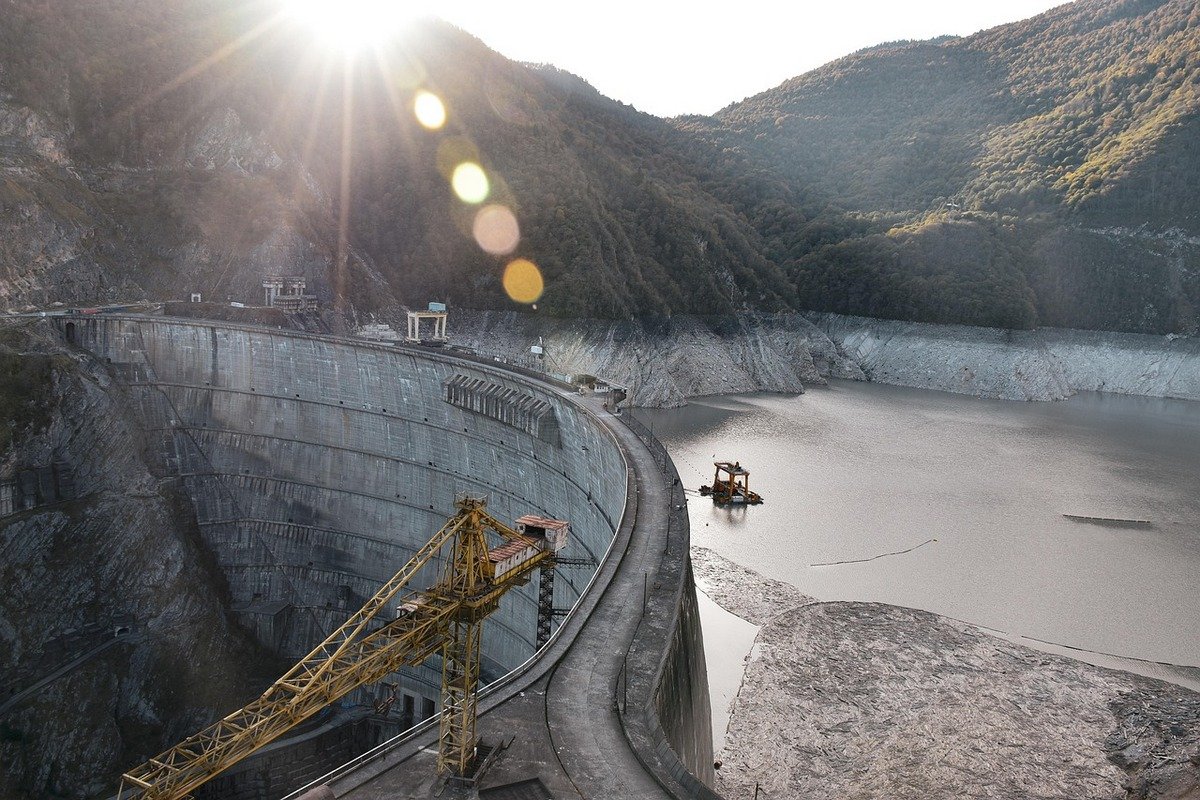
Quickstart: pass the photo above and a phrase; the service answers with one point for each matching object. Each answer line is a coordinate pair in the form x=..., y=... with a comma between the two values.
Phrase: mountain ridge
x=1033, y=135
x=981, y=180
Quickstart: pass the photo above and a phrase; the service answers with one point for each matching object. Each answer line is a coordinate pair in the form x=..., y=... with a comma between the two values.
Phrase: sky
x=670, y=58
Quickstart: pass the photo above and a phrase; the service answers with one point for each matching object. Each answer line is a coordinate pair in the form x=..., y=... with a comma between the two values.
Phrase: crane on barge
x=731, y=485
x=445, y=618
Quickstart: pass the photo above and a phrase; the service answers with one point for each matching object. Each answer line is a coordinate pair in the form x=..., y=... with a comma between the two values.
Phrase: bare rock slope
x=114, y=634
x=666, y=361
x=863, y=700
x=1045, y=364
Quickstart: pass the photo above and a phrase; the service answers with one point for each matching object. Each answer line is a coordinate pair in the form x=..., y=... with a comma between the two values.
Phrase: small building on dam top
x=316, y=466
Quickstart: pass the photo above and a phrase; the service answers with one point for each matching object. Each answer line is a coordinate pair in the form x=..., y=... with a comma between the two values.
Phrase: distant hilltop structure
x=288, y=293
x=424, y=327
x=418, y=330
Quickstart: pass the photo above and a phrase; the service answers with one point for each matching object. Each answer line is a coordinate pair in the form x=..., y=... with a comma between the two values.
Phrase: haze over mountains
x=1035, y=174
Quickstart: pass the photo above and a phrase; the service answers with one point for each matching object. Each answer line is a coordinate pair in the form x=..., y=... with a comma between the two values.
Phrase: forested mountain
x=1037, y=173
x=163, y=148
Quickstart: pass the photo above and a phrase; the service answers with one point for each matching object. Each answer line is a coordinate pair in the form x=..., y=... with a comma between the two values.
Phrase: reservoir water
x=975, y=491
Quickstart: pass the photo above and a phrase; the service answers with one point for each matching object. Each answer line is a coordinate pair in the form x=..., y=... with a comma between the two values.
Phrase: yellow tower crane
x=445, y=617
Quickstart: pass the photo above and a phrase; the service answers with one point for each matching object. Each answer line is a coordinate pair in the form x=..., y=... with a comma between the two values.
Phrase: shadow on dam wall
x=318, y=466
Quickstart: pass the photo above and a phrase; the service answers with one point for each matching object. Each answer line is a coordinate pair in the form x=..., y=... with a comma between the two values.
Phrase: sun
x=353, y=24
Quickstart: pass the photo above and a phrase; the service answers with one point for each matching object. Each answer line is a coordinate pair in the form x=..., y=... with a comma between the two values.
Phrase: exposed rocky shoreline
x=1043, y=364
x=864, y=700
x=667, y=361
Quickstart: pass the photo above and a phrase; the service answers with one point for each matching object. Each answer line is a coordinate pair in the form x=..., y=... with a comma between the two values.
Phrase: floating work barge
x=731, y=485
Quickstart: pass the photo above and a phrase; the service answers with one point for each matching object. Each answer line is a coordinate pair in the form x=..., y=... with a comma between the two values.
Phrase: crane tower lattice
x=444, y=618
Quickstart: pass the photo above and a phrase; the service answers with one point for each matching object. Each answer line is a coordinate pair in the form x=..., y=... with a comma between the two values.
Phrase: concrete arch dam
x=317, y=465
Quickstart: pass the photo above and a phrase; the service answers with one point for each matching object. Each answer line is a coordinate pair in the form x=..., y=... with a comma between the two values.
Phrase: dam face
x=316, y=467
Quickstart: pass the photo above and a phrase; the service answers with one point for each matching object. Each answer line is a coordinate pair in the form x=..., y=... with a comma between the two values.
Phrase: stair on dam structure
x=510, y=406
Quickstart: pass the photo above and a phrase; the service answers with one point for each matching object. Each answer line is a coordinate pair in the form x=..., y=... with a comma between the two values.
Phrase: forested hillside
x=1033, y=174
x=161, y=148
x=1039, y=173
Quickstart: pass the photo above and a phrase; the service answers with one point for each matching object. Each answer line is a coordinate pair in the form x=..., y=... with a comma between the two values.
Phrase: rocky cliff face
x=665, y=362
x=115, y=639
x=1045, y=364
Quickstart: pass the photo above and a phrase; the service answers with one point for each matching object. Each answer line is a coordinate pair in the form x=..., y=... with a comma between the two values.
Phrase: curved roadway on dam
x=578, y=720
x=314, y=463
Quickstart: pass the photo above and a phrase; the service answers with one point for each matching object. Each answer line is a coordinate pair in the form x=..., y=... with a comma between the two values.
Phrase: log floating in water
x=872, y=558
x=1136, y=523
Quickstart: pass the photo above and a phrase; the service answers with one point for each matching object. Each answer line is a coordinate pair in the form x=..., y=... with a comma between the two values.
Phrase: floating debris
x=872, y=558
x=1116, y=522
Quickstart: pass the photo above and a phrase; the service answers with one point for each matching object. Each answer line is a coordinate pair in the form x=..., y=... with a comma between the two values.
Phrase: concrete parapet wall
x=663, y=694
x=317, y=466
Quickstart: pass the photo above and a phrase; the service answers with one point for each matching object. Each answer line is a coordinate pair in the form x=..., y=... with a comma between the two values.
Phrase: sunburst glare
x=353, y=24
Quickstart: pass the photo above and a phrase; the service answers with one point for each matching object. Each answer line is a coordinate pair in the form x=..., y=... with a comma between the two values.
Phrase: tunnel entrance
x=69, y=330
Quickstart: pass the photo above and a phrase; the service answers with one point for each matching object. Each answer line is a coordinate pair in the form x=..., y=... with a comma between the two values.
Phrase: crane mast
x=445, y=618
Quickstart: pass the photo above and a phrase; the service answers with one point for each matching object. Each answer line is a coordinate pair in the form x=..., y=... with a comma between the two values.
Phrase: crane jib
x=443, y=618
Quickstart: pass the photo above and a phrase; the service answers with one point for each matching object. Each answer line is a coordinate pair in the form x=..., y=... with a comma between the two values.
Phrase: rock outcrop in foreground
x=863, y=700
x=115, y=638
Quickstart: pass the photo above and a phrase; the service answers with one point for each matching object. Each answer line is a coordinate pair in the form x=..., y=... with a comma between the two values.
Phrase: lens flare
x=470, y=182
x=429, y=110
x=496, y=230
x=523, y=281
x=452, y=151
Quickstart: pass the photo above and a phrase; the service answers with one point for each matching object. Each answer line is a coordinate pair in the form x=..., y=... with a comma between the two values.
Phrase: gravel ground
x=864, y=700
